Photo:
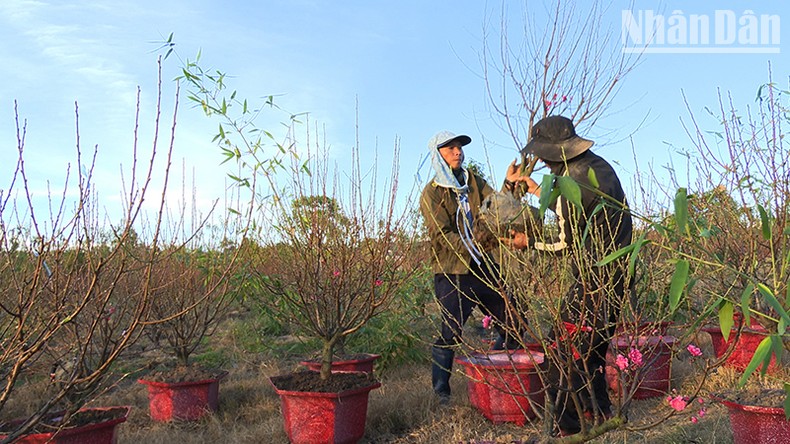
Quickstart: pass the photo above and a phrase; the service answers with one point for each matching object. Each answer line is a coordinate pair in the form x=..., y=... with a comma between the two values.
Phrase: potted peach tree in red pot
x=327, y=251
x=733, y=243
x=333, y=261
x=191, y=301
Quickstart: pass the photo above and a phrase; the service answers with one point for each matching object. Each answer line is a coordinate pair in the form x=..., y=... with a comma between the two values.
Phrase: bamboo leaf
x=546, y=190
x=726, y=319
x=616, y=255
x=681, y=211
x=679, y=278
x=570, y=190
x=758, y=358
x=765, y=222
x=592, y=178
x=635, y=254
x=772, y=301
x=787, y=401
x=778, y=347
x=746, y=300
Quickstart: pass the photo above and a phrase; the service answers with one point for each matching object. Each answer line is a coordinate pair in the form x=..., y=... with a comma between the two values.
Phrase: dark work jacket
x=598, y=230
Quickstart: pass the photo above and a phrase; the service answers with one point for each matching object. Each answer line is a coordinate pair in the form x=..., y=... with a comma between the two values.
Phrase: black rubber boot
x=440, y=372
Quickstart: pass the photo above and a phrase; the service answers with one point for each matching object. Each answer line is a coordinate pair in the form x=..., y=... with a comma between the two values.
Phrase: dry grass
x=403, y=410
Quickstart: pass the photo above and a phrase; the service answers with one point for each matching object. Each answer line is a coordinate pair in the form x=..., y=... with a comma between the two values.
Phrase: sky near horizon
x=407, y=69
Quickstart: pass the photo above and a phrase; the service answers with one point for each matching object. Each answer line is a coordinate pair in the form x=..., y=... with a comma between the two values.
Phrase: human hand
x=517, y=240
x=532, y=186
x=513, y=173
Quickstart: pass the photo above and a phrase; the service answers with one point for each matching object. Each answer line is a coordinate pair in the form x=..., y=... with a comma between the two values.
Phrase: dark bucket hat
x=554, y=139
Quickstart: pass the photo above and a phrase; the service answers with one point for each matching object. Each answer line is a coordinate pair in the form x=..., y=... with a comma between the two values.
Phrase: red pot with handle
x=502, y=384
x=757, y=425
x=103, y=429
x=183, y=401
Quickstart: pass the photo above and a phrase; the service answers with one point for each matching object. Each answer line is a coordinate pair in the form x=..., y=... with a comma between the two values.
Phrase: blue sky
x=412, y=66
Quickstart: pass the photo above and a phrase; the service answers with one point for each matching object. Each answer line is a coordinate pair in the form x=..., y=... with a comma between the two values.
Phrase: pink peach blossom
x=636, y=357
x=487, y=321
x=378, y=282
x=678, y=403
x=694, y=419
x=621, y=362
x=694, y=350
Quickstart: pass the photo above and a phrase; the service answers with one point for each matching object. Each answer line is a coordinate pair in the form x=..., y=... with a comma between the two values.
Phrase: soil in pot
x=309, y=381
x=184, y=374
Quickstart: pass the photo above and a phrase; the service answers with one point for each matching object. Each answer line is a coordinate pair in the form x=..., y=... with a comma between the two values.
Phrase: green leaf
x=679, y=278
x=772, y=301
x=763, y=350
x=778, y=347
x=570, y=190
x=781, y=326
x=616, y=255
x=592, y=178
x=725, y=319
x=746, y=301
x=765, y=222
x=546, y=190
x=635, y=254
x=763, y=366
x=787, y=401
x=682, y=211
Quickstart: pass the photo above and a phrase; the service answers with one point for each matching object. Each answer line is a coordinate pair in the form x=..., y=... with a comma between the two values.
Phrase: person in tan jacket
x=463, y=278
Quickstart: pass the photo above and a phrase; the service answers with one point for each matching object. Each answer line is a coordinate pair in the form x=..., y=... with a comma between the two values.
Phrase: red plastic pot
x=501, y=384
x=653, y=377
x=317, y=417
x=97, y=433
x=757, y=425
x=363, y=364
x=184, y=401
x=743, y=350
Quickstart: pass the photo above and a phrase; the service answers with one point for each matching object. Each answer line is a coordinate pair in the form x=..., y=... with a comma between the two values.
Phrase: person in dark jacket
x=463, y=277
x=592, y=304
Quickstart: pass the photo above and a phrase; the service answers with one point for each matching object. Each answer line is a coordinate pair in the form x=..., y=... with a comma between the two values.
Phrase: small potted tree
x=334, y=262
x=327, y=243
x=191, y=299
